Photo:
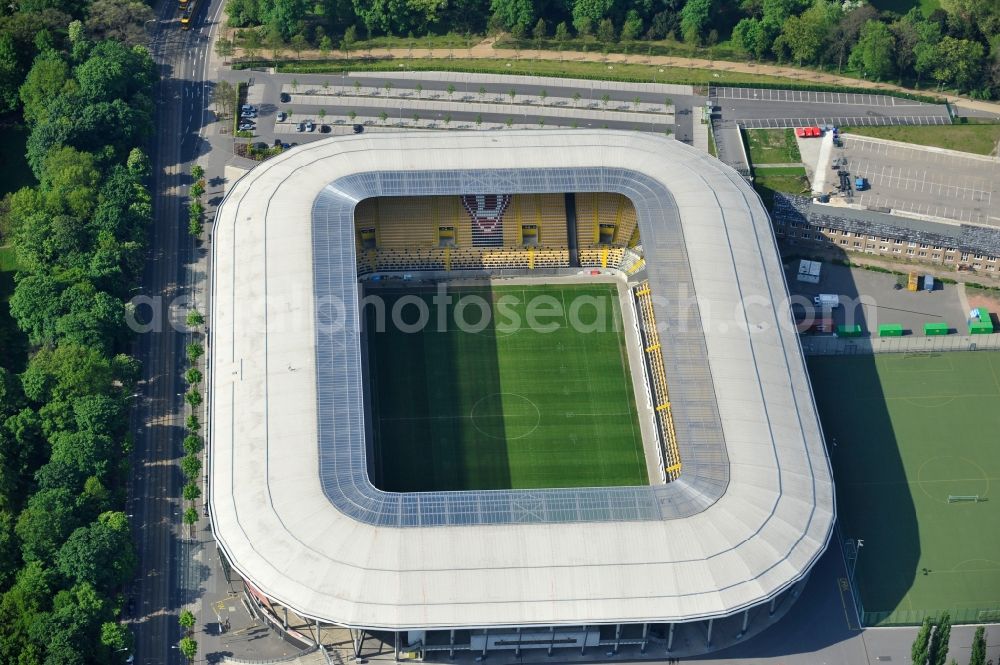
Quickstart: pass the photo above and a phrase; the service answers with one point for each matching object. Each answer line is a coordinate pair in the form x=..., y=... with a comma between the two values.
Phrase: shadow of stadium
x=426, y=389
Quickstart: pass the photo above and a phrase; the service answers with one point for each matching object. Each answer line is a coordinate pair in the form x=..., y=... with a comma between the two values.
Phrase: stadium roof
x=291, y=503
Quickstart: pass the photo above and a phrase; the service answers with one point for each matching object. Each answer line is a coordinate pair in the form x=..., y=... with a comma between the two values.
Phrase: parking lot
x=871, y=298
x=926, y=181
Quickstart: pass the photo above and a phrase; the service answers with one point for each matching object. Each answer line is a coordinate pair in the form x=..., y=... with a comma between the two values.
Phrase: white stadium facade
x=292, y=507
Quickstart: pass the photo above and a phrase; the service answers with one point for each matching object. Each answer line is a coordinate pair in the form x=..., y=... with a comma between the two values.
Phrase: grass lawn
x=509, y=407
x=13, y=343
x=978, y=139
x=772, y=146
x=910, y=431
x=531, y=67
x=13, y=164
x=787, y=179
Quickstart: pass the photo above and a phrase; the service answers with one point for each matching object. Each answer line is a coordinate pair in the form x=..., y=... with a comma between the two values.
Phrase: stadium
x=604, y=433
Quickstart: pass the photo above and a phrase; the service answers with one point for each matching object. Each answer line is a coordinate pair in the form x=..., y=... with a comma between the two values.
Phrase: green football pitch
x=905, y=433
x=508, y=406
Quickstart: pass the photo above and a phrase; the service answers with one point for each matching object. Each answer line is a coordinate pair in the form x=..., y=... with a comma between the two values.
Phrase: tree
x=192, y=444
x=803, y=35
x=388, y=88
x=632, y=27
x=694, y=20
x=48, y=78
x=349, y=39
x=192, y=423
x=751, y=35
x=100, y=554
x=46, y=523
x=116, y=636
x=606, y=31
x=509, y=122
x=978, y=655
x=191, y=492
x=512, y=93
x=636, y=101
x=447, y=119
x=588, y=13
x=193, y=397
x=918, y=652
x=191, y=465
x=513, y=14
x=186, y=620
x=605, y=98
x=298, y=44
x=325, y=45
x=224, y=48
x=562, y=34
x=959, y=62
x=198, y=188
x=195, y=351
x=873, y=54
x=11, y=73
x=224, y=97
x=451, y=90
x=542, y=95
x=937, y=654
x=540, y=31
x=479, y=120
x=576, y=98
x=123, y=20
x=357, y=87
x=252, y=42
x=322, y=114
x=188, y=647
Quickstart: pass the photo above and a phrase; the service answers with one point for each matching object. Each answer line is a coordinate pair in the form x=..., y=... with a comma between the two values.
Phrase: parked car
x=248, y=108
x=246, y=127
x=324, y=129
x=281, y=116
x=260, y=145
x=358, y=129
x=309, y=126
x=301, y=127
x=285, y=97
x=285, y=146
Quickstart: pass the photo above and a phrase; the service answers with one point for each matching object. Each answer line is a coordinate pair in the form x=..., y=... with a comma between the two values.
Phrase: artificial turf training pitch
x=905, y=432
x=507, y=407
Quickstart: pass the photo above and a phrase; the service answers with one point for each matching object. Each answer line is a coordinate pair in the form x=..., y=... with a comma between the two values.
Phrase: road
x=158, y=419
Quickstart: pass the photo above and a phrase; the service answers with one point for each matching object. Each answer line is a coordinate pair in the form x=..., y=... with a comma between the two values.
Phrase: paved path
x=485, y=49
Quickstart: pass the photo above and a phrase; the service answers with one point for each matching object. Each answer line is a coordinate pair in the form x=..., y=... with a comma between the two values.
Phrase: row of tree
x=80, y=240
x=956, y=46
x=931, y=644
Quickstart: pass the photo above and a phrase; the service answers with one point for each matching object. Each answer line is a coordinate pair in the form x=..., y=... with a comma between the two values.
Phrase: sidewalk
x=485, y=49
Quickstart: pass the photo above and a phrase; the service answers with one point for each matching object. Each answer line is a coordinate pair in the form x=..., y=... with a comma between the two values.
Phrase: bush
x=193, y=375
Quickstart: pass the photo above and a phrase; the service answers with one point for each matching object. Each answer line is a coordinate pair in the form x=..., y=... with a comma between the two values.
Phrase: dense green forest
x=75, y=244
x=955, y=45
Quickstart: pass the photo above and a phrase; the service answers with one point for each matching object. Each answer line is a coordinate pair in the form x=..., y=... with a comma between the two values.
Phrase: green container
x=979, y=328
x=986, y=321
x=935, y=329
x=890, y=330
x=849, y=331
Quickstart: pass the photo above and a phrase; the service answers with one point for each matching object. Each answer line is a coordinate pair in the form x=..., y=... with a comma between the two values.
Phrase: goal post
x=963, y=498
